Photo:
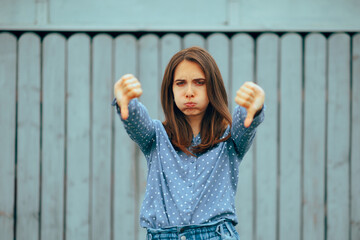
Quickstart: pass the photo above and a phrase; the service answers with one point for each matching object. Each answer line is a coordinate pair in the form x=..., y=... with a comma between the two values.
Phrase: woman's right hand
x=125, y=89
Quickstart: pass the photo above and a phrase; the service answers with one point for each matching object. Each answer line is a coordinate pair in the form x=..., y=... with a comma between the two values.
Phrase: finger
x=247, y=90
x=117, y=86
x=258, y=91
x=134, y=93
x=244, y=95
x=250, y=85
x=242, y=102
x=124, y=79
x=124, y=108
x=127, y=76
x=127, y=81
x=131, y=86
x=249, y=117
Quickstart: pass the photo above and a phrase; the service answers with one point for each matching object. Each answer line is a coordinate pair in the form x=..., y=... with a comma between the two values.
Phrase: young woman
x=193, y=156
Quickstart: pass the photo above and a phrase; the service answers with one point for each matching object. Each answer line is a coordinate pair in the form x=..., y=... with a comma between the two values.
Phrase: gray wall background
x=186, y=15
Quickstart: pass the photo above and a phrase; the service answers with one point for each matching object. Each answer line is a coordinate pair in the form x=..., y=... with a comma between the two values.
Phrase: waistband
x=216, y=227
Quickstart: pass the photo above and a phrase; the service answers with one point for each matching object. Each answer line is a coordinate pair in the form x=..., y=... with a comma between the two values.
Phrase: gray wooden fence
x=69, y=171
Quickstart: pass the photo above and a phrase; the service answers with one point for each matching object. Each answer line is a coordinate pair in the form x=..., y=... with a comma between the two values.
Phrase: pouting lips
x=190, y=104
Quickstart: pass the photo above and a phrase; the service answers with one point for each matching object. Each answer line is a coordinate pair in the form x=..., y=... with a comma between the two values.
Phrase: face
x=189, y=88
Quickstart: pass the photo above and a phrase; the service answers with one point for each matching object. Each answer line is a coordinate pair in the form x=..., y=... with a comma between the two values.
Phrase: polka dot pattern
x=182, y=189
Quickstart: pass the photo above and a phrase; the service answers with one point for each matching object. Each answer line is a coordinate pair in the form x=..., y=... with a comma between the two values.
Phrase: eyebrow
x=192, y=80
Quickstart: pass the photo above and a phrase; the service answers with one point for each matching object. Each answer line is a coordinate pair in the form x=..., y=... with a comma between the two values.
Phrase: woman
x=193, y=157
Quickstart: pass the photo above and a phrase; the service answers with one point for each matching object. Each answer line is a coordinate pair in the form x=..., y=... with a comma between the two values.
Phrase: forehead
x=188, y=69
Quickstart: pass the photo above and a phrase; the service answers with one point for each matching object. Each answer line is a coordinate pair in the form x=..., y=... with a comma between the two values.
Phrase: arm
x=247, y=116
x=241, y=135
x=133, y=114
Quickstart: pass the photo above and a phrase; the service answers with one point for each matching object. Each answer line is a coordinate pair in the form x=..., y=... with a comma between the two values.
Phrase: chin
x=190, y=111
x=194, y=112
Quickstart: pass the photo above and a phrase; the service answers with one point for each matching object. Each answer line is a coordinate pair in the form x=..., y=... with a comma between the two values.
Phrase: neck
x=195, y=123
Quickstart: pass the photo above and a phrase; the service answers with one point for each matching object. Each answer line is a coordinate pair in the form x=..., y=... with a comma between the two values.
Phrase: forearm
x=139, y=125
x=241, y=135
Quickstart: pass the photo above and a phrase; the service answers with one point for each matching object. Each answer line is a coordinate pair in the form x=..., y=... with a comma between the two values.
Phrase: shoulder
x=158, y=123
x=226, y=132
x=159, y=128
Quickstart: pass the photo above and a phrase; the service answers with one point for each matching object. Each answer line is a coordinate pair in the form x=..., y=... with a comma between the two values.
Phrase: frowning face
x=189, y=89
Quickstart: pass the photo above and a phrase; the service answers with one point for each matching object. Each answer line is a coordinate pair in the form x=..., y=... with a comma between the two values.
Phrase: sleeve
x=242, y=136
x=139, y=126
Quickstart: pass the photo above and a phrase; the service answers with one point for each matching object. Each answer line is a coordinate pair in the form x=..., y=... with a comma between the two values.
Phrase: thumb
x=249, y=117
x=124, y=108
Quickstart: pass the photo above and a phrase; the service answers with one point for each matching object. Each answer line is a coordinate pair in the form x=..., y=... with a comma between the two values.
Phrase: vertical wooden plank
x=101, y=136
x=126, y=217
x=244, y=201
x=194, y=39
x=314, y=137
x=266, y=141
x=290, y=137
x=242, y=64
x=242, y=70
x=78, y=138
x=219, y=47
x=338, y=137
x=53, y=135
x=149, y=77
x=28, y=138
x=149, y=72
x=8, y=54
x=355, y=140
x=169, y=45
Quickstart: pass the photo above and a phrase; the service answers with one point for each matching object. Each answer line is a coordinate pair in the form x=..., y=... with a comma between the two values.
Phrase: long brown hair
x=217, y=116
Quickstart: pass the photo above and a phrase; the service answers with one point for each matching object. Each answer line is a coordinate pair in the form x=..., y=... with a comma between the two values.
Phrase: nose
x=189, y=92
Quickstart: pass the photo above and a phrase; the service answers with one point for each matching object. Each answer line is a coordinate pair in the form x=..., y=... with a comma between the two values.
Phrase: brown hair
x=217, y=116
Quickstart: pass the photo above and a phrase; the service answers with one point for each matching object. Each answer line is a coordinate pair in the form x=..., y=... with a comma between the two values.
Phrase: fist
x=251, y=97
x=125, y=89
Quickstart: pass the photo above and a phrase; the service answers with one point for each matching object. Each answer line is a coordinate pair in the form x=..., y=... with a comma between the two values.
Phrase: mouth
x=190, y=104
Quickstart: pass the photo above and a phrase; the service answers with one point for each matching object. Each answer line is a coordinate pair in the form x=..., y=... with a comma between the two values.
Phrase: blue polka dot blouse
x=182, y=189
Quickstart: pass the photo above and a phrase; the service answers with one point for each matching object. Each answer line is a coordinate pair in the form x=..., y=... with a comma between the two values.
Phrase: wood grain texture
x=187, y=15
x=314, y=137
x=102, y=48
x=53, y=136
x=355, y=140
x=267, y=63
x=169, y=45
x=8, y=55
x=149, y=75
x=218, y=46
x=290, y=137
x=78, y=154
x=242, y=70
x=338, y=137
x=79, y=176
x=28, y=138
x=193, y=39
x=125, y=211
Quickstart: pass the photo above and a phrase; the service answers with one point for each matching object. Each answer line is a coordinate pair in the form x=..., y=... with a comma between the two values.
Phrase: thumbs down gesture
x=125, y=89
x=250, y=96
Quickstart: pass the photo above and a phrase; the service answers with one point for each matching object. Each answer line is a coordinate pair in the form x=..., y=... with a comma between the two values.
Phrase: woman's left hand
x=250, y=96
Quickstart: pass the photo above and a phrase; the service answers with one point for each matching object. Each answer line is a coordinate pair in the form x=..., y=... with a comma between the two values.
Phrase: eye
x=200, y=82
x=179, y=83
